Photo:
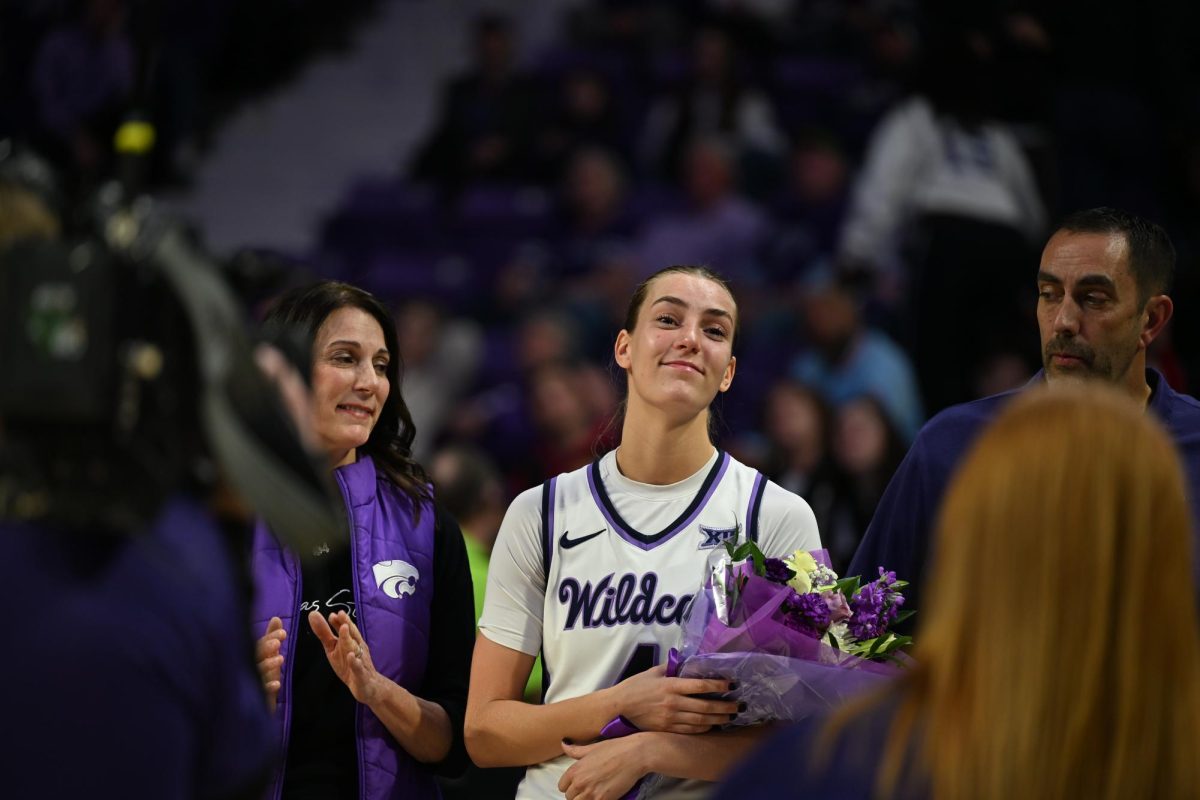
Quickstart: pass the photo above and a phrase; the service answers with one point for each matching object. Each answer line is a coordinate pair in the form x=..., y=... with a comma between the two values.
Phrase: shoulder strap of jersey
x=547, y=557
x=756, y=496
x=547, y=526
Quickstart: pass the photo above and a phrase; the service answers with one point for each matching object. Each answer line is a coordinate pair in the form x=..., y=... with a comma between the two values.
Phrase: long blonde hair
x=1059, y=653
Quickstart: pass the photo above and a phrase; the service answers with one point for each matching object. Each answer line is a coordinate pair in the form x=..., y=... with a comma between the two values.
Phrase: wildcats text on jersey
x=626, y=603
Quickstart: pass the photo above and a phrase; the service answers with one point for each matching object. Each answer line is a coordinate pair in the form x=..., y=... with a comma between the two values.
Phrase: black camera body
x=127, y=374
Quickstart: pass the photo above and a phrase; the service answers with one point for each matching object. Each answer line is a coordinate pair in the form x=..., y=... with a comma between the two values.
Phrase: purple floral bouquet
x=795, y=638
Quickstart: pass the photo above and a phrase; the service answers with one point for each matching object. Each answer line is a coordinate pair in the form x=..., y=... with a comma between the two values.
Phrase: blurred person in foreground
x=135, y=446
x=1042, y=668
x=365, y=650
x=1103, y=299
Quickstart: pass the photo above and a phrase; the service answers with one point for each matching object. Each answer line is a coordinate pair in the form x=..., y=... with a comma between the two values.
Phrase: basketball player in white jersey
x=595, y=568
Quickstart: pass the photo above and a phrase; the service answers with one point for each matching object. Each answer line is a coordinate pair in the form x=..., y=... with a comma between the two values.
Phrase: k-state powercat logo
x=396, y=578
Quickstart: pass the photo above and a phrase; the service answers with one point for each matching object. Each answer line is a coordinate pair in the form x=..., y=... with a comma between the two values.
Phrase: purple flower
x=835, y=601
x=807, y=613
x=777, y=571
x=874, y=606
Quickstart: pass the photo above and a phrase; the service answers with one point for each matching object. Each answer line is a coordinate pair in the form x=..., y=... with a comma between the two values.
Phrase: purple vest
x=393, y=589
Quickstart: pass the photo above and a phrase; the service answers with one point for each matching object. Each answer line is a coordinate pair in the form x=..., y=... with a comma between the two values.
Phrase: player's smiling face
x=350, y=383
x=681, y=350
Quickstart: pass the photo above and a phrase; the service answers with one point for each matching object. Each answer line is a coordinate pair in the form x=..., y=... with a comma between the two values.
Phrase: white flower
x=823, y=578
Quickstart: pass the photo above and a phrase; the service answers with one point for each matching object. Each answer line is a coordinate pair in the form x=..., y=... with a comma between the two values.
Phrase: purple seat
x=650, y=201
x=396, y=276
x=513, y=211
x=384, y=214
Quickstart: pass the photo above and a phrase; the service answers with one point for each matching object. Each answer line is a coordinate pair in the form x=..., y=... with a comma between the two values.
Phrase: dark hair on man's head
x=1151, y=254
x=390, y=444
x=643, y=288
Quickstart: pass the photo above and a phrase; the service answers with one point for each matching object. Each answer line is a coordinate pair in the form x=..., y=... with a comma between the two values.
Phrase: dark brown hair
x=1151, y=254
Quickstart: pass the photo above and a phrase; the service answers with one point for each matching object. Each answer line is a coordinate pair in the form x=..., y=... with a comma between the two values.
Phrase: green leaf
x=878, y=642
x=847, y=586
x=749, y=551
x=832, y=641
x=903, y=615
x=892, y=646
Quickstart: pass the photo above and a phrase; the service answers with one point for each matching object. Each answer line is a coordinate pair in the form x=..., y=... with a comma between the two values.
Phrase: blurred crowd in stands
x=875, y=177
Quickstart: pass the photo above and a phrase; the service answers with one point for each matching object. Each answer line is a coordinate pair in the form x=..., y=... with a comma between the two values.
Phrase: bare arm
x=502, y=730
x=607, y=770
x=421, y=727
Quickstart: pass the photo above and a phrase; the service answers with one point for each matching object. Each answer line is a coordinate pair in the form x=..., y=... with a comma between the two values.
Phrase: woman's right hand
x=654, y=702
x=270, y=661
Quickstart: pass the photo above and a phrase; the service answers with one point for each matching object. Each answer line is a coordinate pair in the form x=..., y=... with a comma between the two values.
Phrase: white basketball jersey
x=615, y=593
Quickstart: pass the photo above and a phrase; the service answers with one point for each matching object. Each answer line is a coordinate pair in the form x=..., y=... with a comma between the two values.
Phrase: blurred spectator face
x=544, y=339
x=556, y=403
x=521, y=282
x=1002, y=373
x=711, y=51
x=105, y=17
x=585, y=96
x=493, y=47
x=793, y=419
x=830, y=315
x=860, y=436
x=593, y=187
x=818, y=174
x=708, y=174
x=418, y=326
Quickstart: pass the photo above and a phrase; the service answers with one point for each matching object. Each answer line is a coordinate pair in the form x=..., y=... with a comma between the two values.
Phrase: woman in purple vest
x=365, y=650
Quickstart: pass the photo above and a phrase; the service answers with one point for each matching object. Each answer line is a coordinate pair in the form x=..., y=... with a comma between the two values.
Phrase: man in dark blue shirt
x=1102, y=299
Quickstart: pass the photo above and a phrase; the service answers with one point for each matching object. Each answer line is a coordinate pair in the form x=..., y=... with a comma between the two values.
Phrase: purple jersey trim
x=644, y=541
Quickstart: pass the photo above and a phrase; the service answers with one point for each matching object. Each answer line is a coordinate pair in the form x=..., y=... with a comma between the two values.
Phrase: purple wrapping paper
x=781, y=673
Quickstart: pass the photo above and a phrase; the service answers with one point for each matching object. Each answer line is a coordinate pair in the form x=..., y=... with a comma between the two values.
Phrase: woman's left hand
x=348, y=654
x=604, y=770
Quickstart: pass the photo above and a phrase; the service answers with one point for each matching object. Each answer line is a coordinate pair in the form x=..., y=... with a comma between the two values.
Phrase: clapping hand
x=348, y=654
